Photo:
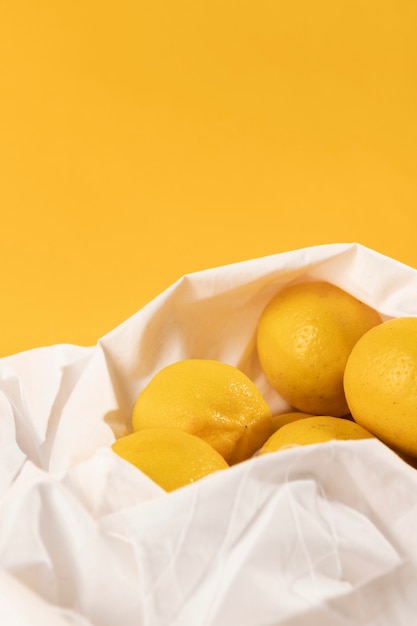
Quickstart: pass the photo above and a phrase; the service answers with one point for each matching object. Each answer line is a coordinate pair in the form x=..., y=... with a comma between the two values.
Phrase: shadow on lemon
x=281, y=419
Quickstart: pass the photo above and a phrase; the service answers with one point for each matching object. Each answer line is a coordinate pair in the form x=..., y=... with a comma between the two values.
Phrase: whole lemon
x=381, y=383
x=304, y=337
x=316, y=429
x=210, y=399
x=171, y=457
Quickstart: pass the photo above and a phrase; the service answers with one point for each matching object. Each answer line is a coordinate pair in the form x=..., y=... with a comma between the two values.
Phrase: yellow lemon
x=381, y=383
x=210, y=399
x=304, y=337
x=316, y=429
x=286, y=418
x=171, y=457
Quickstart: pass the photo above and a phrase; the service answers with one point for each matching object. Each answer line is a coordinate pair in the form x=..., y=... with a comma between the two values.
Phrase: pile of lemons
x=347, y=374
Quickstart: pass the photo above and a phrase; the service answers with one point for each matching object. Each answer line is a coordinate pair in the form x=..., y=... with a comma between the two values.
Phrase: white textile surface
x=323, y=534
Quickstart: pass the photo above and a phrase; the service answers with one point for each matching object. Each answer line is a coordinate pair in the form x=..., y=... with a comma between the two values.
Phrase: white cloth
x=321, y=534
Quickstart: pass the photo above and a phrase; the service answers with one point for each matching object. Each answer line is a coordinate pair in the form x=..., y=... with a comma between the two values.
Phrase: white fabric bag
x=321, y=534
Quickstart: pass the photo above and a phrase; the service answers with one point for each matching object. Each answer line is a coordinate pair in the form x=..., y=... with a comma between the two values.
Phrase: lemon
x=316, y=429
x=381, y=383
x=304, y=337
x=286, y=418
x=210, y=399
x=171, y=457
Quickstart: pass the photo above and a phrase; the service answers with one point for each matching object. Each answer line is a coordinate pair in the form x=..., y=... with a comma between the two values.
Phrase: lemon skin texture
x=304, y=337
x=171, y=457
x=209, y=399
x=381, y=383
x=316, y=429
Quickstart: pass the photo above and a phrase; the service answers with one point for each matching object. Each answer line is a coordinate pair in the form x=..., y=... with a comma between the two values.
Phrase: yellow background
x=145, y=139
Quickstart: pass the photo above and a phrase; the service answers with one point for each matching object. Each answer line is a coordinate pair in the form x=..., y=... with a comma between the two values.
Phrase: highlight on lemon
x=311, y=430
x=304, y=337
x=171, y=457
x=210, y=399
x=380, y=383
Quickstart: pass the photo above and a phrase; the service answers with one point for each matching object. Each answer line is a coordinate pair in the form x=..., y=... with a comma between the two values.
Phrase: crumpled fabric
x=319, y=534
